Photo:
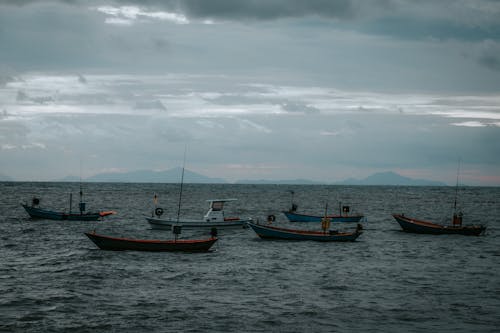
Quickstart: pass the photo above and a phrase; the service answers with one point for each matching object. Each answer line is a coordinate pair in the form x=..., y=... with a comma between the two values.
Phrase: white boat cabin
x=216, y=211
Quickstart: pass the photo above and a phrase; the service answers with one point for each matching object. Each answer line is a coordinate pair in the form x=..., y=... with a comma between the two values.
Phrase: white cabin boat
x=214, y=218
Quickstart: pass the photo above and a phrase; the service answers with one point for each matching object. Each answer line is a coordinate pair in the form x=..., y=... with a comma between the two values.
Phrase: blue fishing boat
x=267, y=231
x=343, y=216
x=39, y=213
x=36, y=212
x=296, y=217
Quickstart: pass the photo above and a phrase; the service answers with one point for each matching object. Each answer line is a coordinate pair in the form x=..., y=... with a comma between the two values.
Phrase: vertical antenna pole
x=81, y=190
x=182, y=182
x=70, y=201
x=456, y=188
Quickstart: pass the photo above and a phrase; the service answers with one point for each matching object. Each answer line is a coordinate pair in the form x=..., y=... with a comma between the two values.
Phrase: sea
x=54, y=279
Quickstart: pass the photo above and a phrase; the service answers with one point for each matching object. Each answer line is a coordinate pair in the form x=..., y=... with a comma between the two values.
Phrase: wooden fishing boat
x=39, y=213
x=36, y=212
x=214, y=218
x=270, y=232
x=177, y=245
x=424, y=227
x=344, y=214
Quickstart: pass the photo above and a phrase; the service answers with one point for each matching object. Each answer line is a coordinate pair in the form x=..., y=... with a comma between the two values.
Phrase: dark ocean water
x=53, y=279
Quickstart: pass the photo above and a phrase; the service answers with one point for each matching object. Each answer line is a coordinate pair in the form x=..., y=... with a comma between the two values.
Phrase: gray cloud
x=227, y=9
x=298, y=107
x=12, y=133
x=266, y=10
x=149, y=105
x=489, y=55
x=404, y=18
x=407, y=26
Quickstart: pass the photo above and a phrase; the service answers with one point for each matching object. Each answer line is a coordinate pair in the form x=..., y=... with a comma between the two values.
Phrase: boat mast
x=325, y=221
x=456, y=189
x=70, y=201
x=457, y=218
x=81, y=205
x=293, y=206
x=182, y=182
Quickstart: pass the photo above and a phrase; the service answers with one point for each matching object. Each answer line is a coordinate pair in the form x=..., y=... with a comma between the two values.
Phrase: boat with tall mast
x=214, y=218
x=344, y=214
x=413, y=225
x=268, y=231
x=36, y=212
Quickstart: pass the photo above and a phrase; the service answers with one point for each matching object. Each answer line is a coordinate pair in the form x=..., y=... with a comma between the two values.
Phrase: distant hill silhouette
x=286, y=182
x=390, y=178
x=70, y=179
x=5, y=178
x=174, y=176
x=150, y=176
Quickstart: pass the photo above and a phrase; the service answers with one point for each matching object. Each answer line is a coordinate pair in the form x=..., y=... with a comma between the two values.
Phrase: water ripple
x=53, y=279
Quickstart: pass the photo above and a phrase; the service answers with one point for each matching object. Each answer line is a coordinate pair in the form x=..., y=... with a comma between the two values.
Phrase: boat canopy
x=216, y=211
x=221, y=200
x=218, y=204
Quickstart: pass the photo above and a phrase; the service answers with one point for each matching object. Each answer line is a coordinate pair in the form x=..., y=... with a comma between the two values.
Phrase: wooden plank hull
x=270, y=232
x=166, y=224
x=295, y=217
x=424, y=227
x=38, y=213
x=123, y=244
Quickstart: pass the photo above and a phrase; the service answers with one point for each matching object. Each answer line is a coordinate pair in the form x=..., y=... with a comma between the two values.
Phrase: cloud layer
x=257, y=89
x=238, y=129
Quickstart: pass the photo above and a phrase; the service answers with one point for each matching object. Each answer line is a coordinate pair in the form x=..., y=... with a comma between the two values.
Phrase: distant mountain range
x=5, y=178
x=151, y=176
x=381, y=178
x=390, y=178
x=278, y=182
x=174, y=176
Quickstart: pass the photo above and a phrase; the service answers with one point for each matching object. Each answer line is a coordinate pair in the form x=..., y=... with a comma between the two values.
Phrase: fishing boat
x=36, y=212
x=296, y=217
x=214, y=218
x=424, y=227
x=178, y=245
x=272, y=232
x=343, y=216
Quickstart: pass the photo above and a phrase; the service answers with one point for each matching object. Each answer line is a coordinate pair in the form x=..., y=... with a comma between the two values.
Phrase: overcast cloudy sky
x=256, y=89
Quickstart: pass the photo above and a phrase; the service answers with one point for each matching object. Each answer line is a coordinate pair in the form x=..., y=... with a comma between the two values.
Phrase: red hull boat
x=423, y=227
x=179, y=245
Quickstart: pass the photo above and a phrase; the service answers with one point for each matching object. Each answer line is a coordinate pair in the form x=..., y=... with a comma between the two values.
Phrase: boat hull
x=270, y=232
x=295, y=217
x=423, y=227
x=123, y=244
x=166, y=224
x=38, y=213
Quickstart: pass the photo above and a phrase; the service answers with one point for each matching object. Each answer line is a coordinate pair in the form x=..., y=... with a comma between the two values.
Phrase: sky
x=255, y=89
